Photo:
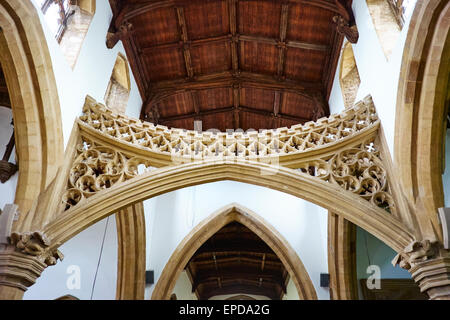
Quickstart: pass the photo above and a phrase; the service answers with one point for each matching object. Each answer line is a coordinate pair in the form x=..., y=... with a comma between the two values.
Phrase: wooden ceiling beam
x=196, y=115
x=231, y=289
x=276, y=281
x=164, y=89
x=233, y=110
x=227, y=79
x=185, y=39
x=235, y=246
x=233, y=39
x=236, y=103
x=232, y=10
x=270, y=114
x=282, y=45
x=135, y=8
x=255, y=260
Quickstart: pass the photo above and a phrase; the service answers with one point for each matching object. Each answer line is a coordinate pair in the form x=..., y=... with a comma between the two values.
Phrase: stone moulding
x=175, y=146
x=113, y=162
x=340, y=149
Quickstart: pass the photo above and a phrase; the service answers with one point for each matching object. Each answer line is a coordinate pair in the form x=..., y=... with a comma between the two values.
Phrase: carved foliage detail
x=416, y=252
x=35, y=244
x=359, y=170
x=97, y=168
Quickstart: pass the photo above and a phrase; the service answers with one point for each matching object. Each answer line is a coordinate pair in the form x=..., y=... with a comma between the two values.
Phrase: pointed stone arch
x=209, y=226
x=32, y=88
x=420, y=114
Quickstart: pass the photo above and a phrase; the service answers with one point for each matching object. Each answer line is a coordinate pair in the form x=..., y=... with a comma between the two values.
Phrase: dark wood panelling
x=235, y=260
x=265, y=48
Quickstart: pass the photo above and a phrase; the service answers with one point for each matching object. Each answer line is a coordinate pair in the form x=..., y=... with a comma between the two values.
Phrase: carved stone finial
x=35, y=244
x=343, y=27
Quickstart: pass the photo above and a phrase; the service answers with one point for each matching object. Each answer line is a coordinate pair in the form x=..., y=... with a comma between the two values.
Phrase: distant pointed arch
x=208, y=227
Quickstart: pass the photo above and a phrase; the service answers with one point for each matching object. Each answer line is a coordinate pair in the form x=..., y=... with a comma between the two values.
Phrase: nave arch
x=27, y=65
x=151, y=184
x=423, y=89
x=213, y=223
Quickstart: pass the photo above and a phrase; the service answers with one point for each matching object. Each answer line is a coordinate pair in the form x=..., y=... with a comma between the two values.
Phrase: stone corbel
x=123, y=31
x=345, y=21
x=343, y=27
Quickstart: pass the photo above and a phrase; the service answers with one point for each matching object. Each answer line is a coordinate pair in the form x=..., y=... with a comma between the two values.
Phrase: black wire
x=99, y=257
x=367, y=248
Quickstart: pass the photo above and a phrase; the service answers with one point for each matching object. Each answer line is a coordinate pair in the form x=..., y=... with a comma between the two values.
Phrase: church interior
x=225, y=150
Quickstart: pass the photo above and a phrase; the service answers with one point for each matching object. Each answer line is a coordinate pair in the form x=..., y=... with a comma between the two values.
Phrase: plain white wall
x=183, y=288
x=302, y=224
x=379, y=76
x=92, y=71
x=84, y=251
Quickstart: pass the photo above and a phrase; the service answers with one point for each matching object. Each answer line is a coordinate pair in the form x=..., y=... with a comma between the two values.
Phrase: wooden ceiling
x=232, y=63
x=236, y=261
x=5, y=101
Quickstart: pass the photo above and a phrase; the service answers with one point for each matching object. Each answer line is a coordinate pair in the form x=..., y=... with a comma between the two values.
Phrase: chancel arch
x=296, y=173
x=215, y=222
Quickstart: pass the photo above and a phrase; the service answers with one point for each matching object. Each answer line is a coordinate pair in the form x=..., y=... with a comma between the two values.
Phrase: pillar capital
x=429, y=265
x=22, y=261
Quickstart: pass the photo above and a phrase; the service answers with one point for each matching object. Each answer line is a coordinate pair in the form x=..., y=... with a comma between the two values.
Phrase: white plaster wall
x=446, y=175
x=379, y=76
x=7, y=189
x=183, y=288
x=336, y=100
x=291, y=291
x=302, y=224
x=92, y=71
x=83, y=251
x=370, y=251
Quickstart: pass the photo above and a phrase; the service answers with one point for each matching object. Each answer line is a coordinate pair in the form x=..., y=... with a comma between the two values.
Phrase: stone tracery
x=352, y=165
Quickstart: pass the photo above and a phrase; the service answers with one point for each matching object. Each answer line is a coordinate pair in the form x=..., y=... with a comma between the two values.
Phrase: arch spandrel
x=209, y=226
x=105, y=172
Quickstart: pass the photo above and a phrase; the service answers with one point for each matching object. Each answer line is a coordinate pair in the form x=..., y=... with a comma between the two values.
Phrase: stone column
x=22, y=262
x=429, y=265
x=18, y=271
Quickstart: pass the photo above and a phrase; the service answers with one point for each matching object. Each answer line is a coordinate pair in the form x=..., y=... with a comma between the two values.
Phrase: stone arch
x=420, y=114
x=349, y=76
x=118, y=91
x=37, y=117
x=359, y=211
x=208, y=227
